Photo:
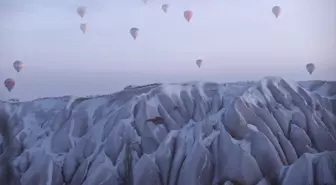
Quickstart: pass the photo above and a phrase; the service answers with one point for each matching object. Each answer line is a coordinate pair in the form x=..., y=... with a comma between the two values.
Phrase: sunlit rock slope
x=266, y=132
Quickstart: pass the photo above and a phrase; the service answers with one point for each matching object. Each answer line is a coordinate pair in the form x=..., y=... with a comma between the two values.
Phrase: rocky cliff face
x=266, y=132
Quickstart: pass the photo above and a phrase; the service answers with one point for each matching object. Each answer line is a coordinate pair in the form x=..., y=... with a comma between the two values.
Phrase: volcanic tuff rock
x=266, y=132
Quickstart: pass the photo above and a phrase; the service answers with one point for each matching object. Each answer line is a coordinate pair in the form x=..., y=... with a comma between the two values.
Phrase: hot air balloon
x=188, y=15
x=18, y=65
x=199, y=62
x=145, y=1
x=276, y=11
x=134, y=32
x=310, y=68
x=9, y=84
x=165, y=8
x=81, y=10
x=83, y=27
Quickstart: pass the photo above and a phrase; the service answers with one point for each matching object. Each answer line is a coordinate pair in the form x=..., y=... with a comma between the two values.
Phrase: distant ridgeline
x=14, y=100
x=142, y=86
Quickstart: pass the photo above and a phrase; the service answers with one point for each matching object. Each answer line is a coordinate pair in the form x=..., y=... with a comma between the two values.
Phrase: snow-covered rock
x=266, y=132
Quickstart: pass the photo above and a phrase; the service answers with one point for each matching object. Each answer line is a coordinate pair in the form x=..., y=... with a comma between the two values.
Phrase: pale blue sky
x=237, y=39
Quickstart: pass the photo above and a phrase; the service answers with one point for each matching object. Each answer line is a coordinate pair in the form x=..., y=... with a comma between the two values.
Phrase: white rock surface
x=266, y=132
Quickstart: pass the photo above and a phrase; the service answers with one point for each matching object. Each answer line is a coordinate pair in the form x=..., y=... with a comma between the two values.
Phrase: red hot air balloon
x=188, y=15
x=18, y=65
x=9, y=84
x=81, y=10
x=165, y=7
x=134, y=32
x=276, y=11
x=310, y=68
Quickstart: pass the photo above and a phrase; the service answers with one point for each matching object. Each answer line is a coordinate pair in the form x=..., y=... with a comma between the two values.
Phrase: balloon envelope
x=9, y=84
x=83, y=27
x=188, y=15
x=165, y=8
x=18, y=65
x=81, y=10
x=276, y=11
x=199, y=62
x=310, y=68
x=134, y=32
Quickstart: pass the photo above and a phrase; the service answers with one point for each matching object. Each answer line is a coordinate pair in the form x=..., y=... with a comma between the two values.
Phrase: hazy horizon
x=238, y=40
